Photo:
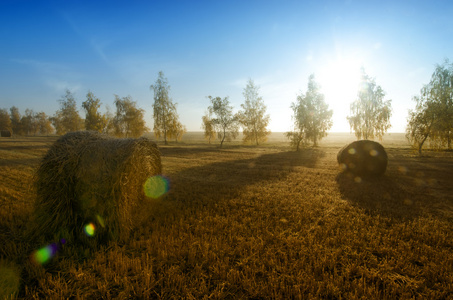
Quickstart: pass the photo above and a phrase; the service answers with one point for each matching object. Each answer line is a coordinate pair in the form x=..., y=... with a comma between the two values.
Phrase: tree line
x=128, y=120
x=430, y=122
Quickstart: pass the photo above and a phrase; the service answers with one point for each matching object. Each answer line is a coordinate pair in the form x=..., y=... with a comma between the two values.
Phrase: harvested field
x=251, y=222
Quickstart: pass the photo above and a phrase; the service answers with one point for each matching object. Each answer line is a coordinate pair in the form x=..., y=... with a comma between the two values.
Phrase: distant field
x=278, y=138
x=248, y=222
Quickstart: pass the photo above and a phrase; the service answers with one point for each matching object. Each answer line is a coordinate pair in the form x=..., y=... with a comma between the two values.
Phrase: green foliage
x=312, y=117
x=5, y=120
x=15, y=121
x=370, y=114
x=296, y=139
x=225, y=123
x=43, y=123
x=166, y=119
x=177, y=130
x=94, y=120
x=253, y=117
x=432, y=118
x=28, y=122
x=129, y=120
x=67, y=118
x=207, y=126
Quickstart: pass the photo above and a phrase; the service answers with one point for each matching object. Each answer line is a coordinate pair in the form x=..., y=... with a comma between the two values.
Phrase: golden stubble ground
x=249, y=222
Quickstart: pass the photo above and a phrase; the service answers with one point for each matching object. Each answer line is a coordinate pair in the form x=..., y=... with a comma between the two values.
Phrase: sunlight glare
x=339, y=82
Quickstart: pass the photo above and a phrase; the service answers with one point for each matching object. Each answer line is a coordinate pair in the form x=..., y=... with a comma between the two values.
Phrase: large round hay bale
x=364, y=158
x=5, y=133
x=89, y=184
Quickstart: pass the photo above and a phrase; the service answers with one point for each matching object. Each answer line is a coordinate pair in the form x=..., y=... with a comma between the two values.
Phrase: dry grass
x=254, y=223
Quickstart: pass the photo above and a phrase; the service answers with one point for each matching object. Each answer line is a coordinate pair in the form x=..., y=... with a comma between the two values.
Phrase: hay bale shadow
x=381, y=195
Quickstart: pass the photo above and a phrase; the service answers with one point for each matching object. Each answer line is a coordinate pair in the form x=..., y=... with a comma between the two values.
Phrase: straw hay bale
x=5, y=133
x=86, y=177
x=364, y=158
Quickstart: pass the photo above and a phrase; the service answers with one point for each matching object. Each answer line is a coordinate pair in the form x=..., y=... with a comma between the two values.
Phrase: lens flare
x=156, y=186
x=374, y=153
x=89, y=229
x=403, y=170
x=352, y=151
x=100, y=220
x=408, y=202
x=44, y=254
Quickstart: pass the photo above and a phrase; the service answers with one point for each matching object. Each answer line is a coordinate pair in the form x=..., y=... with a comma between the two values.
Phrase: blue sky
x=213, y=47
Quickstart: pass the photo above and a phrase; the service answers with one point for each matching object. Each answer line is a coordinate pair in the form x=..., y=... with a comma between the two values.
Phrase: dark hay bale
x=88, y=178
x=363, y=158
x=5, y=133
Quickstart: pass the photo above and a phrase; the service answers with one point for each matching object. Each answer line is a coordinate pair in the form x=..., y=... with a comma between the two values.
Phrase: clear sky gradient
x=213, y=47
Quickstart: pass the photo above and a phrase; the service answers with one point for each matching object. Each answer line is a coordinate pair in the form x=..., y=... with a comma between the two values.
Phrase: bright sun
x=339, y=80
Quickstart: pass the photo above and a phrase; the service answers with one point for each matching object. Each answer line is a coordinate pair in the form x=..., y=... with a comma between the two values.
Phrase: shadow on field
x=227, y=177
x=172, y=151
x=412, y=186
x=19, y=161
x=378, y=195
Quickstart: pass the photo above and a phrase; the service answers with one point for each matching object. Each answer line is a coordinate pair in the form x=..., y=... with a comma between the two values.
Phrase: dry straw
x=364, y=158
x=90, y=183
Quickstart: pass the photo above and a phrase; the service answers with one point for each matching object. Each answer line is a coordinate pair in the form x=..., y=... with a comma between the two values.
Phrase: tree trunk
x=256, y=134
x=165, y=128
x=421, y=144
x=449, y=140
x=223, y=138
x=165, y=136
x=426, y=136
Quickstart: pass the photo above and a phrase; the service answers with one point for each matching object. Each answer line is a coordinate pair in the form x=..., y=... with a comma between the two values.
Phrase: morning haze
x=226, y=150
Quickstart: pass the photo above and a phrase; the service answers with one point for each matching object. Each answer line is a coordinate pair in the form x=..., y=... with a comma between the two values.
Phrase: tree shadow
x=185, y=151
x=19, y=161
x=221, y=179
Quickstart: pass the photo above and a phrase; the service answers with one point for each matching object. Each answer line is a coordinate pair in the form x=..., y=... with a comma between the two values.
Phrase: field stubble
x=255, y=223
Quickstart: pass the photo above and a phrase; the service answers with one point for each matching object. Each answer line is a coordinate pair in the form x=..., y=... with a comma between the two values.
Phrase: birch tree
x=166, y=119
x=208, y=127
x=253, y=117
x=94, y=120
x=312, y=117
x=432, y=118
x=370, y=113
x=15, y=121
x=129, y=120
x=5, y=120
x=67, y=118
x=224, y=121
